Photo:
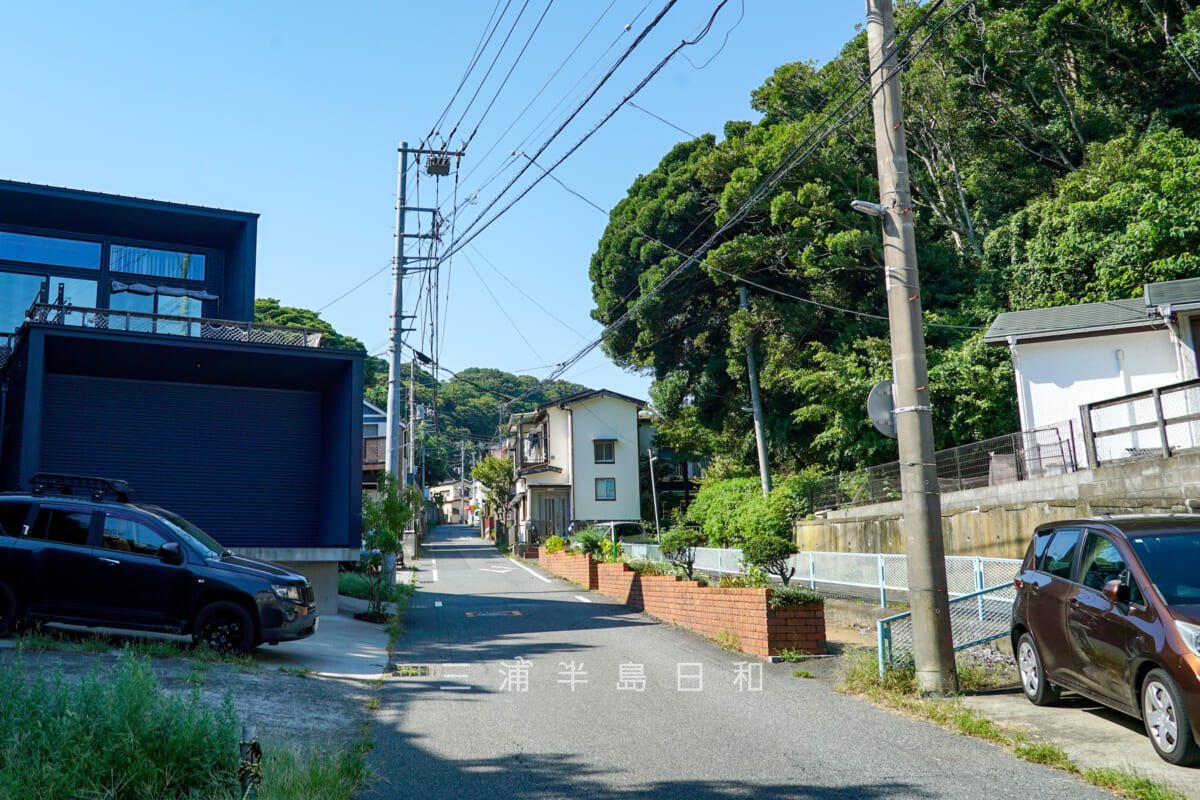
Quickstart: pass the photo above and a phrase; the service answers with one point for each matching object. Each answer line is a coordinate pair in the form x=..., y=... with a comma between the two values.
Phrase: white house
x=1067, y=356
x=576, y=460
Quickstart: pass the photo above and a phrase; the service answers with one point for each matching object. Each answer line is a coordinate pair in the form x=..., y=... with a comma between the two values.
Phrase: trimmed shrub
x=795, y=596
x=591, y=541
x=555, y=544
x=679, y=547
x=772, y=554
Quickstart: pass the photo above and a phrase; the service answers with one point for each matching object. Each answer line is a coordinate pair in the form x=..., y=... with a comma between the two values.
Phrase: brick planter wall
x=712, y=611
x=577, y=568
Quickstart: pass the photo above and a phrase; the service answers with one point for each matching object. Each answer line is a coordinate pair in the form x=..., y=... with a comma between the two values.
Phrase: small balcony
x=374, y=453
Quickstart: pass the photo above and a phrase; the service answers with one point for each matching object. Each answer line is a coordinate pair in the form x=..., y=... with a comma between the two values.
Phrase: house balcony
x=160, y=324
x=374, y=453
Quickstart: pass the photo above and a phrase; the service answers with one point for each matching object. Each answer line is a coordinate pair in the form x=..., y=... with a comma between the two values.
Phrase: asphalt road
x=526, y=686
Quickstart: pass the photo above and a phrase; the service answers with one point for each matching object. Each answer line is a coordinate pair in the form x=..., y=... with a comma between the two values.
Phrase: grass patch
x=373, y=704
x=802, y=673
x=39, y=638
x=793, y=656
x=117, y=735
x=1130, y=784
x=897, y=689
x=299, y=672
x=728, y=640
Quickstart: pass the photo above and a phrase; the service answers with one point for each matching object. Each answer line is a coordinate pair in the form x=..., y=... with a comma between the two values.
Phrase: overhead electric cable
x=479, y=48
x=491, y=66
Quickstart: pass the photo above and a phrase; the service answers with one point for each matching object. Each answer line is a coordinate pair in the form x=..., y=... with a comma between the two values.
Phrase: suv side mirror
x=170, y=553
x=1116, y=592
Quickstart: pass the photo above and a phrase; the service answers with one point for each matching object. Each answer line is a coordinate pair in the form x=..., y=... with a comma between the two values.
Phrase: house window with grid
x=606, y=488
x=605, y=451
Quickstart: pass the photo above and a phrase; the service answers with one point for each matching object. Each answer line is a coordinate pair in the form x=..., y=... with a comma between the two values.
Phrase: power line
x=491, y=66
x=479, y=48
x=664, y=121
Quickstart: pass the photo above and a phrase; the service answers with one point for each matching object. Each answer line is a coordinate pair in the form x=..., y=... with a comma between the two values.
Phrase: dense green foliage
x=386, y=512
x=795, y=596
x=733, y=511
x=496, y=475
x=1052, y=146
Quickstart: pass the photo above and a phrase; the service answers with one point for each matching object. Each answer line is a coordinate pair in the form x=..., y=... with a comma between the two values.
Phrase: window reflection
x=49, y=250
x=158, y=263
x=17, y=293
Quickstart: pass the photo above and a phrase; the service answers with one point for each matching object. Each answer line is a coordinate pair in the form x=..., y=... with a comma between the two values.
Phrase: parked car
x=1109, y=607
x=616, y=531
x=75, y=550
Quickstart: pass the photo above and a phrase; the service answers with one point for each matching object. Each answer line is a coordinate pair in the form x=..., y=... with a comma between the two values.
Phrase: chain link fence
x=975, y=618
x=1004, y=459
x=1151, y=424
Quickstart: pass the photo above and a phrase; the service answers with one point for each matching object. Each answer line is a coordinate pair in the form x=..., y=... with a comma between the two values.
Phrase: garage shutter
x=242, y=463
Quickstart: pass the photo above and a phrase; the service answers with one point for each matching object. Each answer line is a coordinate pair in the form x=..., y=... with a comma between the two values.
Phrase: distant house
x=128, y=349
x=575, y=461
x=1067, y=356
x=676, y=477
x=452, y=499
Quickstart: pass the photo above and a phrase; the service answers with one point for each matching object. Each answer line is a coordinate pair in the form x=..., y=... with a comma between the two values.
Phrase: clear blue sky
x=295, y=110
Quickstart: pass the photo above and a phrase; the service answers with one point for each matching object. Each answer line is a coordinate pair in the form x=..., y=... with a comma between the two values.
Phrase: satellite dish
x=881, y=409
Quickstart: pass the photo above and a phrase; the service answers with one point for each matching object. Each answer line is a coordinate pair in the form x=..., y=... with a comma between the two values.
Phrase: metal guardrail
x=881, y=577
x=975, y=619
x=1152, y=424
x=1004, y=459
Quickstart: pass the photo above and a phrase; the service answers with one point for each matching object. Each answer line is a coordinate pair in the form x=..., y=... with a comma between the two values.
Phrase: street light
x=654, y=491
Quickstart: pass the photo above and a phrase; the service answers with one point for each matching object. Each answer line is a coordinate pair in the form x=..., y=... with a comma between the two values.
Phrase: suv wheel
x=224, y=627
x=1034, y=683
x=10, y=614
x=1166, y=720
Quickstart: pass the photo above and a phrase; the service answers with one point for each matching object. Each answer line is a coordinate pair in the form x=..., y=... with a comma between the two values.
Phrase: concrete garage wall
x=998, y=520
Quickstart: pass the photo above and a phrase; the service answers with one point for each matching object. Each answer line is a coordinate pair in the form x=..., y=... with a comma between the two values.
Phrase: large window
x=49, y=250
x=606, y=488
x=605, y=450
x=17, y=293
x=157, y=263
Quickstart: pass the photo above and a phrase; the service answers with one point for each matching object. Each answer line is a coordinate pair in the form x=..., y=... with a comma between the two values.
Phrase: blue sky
x=295, y=110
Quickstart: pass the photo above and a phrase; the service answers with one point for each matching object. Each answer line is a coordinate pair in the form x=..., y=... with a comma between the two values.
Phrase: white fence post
x=882, y=583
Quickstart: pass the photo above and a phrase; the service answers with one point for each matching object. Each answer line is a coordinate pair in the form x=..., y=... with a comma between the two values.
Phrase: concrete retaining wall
x=998, y=520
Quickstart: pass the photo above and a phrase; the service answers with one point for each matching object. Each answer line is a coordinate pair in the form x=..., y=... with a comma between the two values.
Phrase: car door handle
x=1074, y=603
x=112, y=562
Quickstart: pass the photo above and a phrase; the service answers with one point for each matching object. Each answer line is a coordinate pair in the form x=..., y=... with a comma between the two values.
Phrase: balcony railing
x=139, y=322
x=374, y=452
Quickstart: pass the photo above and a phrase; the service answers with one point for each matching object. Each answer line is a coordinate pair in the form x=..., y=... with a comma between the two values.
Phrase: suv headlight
x=287, y=592
x=1190, y=634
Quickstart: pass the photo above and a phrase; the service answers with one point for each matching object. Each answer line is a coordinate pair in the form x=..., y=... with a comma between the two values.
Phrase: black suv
x=76, y=550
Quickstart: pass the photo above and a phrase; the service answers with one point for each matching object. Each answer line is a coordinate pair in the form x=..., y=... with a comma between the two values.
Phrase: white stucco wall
x=606, y=418
x=1055, y=378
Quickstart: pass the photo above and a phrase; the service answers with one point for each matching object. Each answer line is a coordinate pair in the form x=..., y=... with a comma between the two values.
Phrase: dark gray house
x=129, y=351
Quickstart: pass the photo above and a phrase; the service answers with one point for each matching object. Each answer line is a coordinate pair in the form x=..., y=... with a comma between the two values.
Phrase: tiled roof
x=1183, y=292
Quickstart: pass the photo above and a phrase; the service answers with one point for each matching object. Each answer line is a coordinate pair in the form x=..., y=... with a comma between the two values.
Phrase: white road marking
x=433, y=563
x=582, y=599
x=437, y=603
x=496, y=568
x=455, y=688
x=542, y=578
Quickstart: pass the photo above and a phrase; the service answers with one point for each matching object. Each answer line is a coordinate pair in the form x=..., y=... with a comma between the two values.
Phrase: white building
x=576, y=460
x=1068, y=356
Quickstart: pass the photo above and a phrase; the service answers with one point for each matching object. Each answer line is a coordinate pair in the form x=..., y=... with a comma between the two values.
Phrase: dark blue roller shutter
x=242, y=463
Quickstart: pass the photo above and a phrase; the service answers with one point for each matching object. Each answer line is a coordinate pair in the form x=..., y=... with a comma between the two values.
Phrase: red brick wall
x=713, y=611
x=576, y=568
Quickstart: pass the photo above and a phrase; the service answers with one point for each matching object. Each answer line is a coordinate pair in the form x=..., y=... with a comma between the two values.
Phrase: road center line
x=542, y=578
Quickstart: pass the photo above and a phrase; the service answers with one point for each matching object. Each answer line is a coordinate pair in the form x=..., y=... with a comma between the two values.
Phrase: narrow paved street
x=539, y=689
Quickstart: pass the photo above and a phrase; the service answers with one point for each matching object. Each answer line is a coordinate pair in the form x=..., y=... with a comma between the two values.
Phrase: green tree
x=771, y=553
x=496, y=475
x=385, y=515
x=679, y=547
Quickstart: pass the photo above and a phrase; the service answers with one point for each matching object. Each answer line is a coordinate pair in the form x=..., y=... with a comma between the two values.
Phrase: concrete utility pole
x=760, y=434
x=933, y=647
x=392, y=459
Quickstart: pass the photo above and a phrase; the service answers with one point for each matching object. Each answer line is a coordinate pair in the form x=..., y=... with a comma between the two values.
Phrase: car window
x=12, y=516
x=1101, y=562
x=62, y=525
x=1040, y=540
x=1170, y=559
x=131, y=536
x=1060, y=552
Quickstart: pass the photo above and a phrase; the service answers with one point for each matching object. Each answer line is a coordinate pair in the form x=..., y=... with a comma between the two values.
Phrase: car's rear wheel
x=224, y=627
x=1034, y=683
x=1166, y=720
x=10, y=611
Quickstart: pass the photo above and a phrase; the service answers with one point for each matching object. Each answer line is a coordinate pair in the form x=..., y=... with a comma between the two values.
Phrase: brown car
x=1109, y=607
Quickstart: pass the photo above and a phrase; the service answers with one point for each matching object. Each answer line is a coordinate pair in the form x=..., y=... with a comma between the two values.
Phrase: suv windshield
x=200, y=541
x=1173, y=561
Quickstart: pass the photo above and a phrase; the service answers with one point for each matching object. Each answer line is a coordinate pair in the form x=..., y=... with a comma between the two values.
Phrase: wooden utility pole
x=933, y=647
x=760, y=434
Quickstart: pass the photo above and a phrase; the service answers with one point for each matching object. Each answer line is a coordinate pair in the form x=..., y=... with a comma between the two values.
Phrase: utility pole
x=437, y=163
x=462, y=482
x=412, y=418
x=933, y=647
x=760, y=434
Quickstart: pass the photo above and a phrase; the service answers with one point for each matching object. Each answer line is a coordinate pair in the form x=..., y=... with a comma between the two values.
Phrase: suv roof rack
x=55, y=483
